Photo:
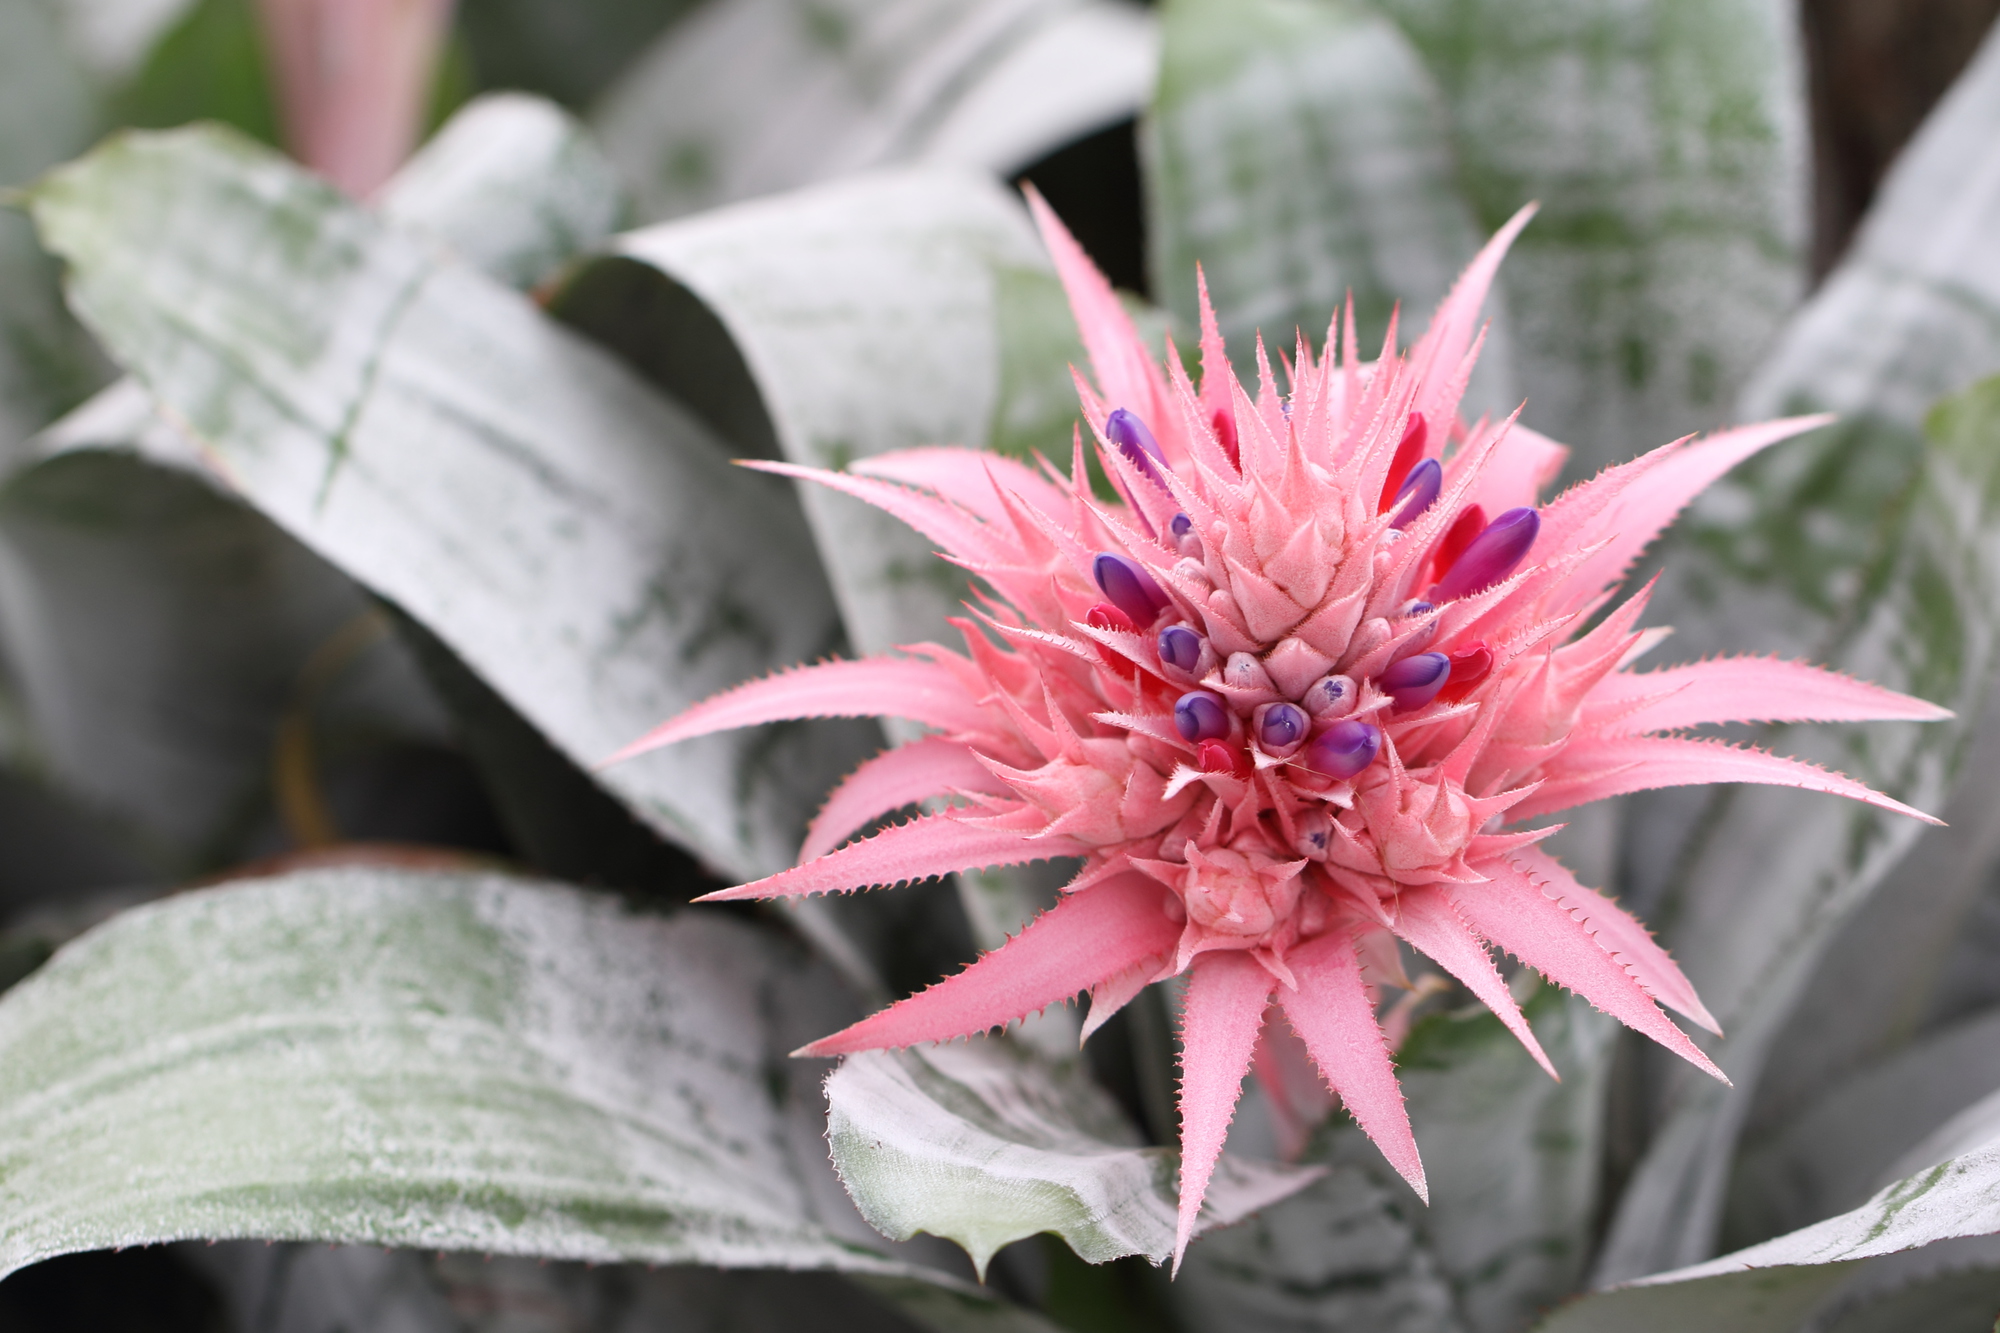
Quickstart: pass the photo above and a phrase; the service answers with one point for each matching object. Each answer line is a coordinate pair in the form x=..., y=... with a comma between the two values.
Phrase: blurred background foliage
x=211, y=678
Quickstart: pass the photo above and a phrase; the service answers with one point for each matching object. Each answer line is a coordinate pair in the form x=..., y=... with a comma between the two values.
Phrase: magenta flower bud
x=1129, y=588
x=1200, y=716
x=1415, y=681
x=1491, y=556
x=1180, y=647
x=1344, y=749
x=1329, y=696
x=1419, y=493
x=1281, y=728
x=1137, y=444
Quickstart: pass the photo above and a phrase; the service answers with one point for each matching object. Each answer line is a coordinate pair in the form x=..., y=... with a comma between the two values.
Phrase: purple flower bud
x=1329, y=696
x=1281, y=727
x=1491, y=556
x=1200, y=716
x=1344, y=749
x=1415, y=681
x=1129, y=588
x=1417, y=607
x=1137, y=444
x=1181, y=536
x=1419, y=492
x=1180, y=647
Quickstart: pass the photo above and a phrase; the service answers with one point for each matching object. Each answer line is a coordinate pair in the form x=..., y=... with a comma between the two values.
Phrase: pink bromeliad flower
x=1289, y=702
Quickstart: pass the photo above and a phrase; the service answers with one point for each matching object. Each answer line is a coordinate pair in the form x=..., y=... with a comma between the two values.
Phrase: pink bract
x=1316, y=545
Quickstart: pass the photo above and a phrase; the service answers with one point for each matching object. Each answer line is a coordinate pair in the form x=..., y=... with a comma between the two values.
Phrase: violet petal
x=1199, y=715
x=1344, y=749
x=1128, y=587
x=1415, y=681
x=1491, y=556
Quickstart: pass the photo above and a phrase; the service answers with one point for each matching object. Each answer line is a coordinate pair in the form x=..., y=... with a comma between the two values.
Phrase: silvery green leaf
x=577, y=539
x=1085, y=67
x=1799, y=553
x=1832, y=1152
x=215, y=612
x=1886, y=979
x=1912, y=313
x=1760, y=907
x=865, y=314
x=1299, y=152
x=48, y=111
x=751, y=97
x=512, y=185
x=441, y=1060
x=891, y=310
x=1666, y=143
x=1344, y=1253
x=1773, y=1287
x=984, y=1144
x=1512, y=1157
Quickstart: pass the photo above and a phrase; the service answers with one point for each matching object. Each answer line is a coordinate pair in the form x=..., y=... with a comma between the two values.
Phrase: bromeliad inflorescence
x=1290, y=702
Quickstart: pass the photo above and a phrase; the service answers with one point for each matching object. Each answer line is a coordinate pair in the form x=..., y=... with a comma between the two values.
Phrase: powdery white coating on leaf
x=1908, y=601
x=821, y=291
x=562, y=528
x=1300, y=153
x=977, y=1143
x=1667, y=140
x=431, y=1060
x=753, y=97
x=512, y=184
x=1959, y=1197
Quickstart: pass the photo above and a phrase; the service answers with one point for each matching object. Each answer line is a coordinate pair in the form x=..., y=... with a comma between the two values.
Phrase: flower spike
x=1290, y=714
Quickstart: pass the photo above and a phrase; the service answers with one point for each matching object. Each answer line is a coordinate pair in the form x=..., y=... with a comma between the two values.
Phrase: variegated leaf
x=1512, y=1159
x=754, y=97
x=429, y=1058
x=1300, y=153
x=1665, y=141
x=577, y=539
x=1845, y=549
x=984, y=1144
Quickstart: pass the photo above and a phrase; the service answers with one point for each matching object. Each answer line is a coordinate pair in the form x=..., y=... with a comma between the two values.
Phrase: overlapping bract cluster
x=1283, y=700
